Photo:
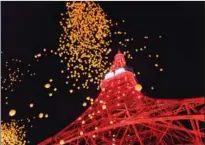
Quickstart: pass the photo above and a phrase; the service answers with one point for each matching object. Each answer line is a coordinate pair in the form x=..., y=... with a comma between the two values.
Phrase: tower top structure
x=119, y=61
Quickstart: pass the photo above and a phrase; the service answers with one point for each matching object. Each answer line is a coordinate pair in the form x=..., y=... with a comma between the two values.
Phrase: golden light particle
x=71, y=91
x=46, y=115
x=138, y=87
x=40, y=115
x=50, y=94
x=55, y=89
x=104, y=107
x=81, y=132
x=62, y=142
x=156, y=65
x=84, y=104
x=83, y=122
x=157, y=55
x=87, y=98
x=51, y=80
x=47, y=86
x=31, y=105
x=161, y=69
x=12, y=112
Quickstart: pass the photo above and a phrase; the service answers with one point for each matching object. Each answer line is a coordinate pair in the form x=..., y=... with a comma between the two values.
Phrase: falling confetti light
x=31, y=105
x=84, y=104
x=138, y=87
x=40, y=115
x=62, y=142
x=12, y=112
x=47, y=86
x=46, y=115
x=14, y=70
x=156, y=65
x=12, y=133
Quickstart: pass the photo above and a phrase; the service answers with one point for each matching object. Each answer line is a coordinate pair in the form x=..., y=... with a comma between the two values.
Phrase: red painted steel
x=121, y=115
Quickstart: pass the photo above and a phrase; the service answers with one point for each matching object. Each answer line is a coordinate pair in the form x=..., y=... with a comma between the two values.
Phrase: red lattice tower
x=122, y=115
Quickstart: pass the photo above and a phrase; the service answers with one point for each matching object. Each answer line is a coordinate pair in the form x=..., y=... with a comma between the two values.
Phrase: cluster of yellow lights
x=84, y=43
x=14, y=74
x=124, y=41
x=12, y=134
x=88, y=99
x=48, y=85
x=45, y=52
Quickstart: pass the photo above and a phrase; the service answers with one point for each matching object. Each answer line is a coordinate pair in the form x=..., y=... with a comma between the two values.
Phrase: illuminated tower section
x=122, y=115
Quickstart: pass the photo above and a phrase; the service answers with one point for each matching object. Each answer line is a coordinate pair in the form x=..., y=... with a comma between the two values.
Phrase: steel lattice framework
x=122, y=115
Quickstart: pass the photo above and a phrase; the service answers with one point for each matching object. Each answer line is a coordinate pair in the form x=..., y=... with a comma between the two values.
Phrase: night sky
x=28, y=27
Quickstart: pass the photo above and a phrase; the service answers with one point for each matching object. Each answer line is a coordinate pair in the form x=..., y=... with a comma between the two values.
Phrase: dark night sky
x=27, y=27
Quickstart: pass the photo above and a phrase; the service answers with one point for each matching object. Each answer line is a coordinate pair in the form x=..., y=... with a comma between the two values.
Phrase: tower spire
x=119, y=61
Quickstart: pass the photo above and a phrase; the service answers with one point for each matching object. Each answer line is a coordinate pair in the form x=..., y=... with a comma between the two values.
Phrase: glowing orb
x=40, y=115
x=84, y=104
x=87, y=98
x=50, y=94
x=138, y=87
x=12, y=112
x=31, y=105
x=62, y=142
x=71, y=91
x=104, y=107
x=55, y=89
x=156, y=65
x=47, y=86
x=83, y=122
x=81, y=133
x=46, y=115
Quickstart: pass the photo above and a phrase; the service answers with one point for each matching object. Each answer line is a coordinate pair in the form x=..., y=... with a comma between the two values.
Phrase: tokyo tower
x=122, y=115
